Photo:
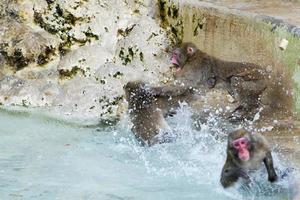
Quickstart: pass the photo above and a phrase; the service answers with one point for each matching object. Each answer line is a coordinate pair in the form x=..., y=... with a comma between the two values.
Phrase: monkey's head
x=182, y=54
x=134, y=90
x=239, y=144
x=138, y=94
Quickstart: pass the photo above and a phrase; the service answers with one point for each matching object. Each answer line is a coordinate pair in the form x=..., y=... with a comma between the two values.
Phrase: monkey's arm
x=231, y=173
x=268, y=161
x=169, y=90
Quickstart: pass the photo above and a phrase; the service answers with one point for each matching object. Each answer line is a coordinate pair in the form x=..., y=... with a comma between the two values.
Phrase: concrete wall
x=237, y=36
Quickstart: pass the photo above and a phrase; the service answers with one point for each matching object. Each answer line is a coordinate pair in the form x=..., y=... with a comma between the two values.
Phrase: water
x=45, y=160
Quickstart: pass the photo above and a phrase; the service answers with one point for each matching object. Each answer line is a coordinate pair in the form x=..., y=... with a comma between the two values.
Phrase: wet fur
x=244, y=81
x=259, y=153
x=147, y=118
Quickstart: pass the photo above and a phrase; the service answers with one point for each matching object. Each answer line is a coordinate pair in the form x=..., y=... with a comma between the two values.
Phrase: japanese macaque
x=195, y=69
x=246, y=151
x=149, y=124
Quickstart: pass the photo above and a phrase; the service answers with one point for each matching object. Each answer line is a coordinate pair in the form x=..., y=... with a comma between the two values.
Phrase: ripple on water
x=40, y=159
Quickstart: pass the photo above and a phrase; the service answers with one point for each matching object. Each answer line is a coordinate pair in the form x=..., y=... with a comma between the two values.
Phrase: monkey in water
x=245, y=152
x=195, y=69
x=149, y=124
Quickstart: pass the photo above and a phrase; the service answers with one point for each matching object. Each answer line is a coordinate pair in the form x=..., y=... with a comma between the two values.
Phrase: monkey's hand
x=273, y=178
x=211, y=82
x=268, y=161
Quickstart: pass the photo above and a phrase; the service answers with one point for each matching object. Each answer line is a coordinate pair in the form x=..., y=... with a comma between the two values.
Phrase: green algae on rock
x=132, y=52
x=68, y=74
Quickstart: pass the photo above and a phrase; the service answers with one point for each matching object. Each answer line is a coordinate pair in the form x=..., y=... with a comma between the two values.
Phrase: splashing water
x=43, y=159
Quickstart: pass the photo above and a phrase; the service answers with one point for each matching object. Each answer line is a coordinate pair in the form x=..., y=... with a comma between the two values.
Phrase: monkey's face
x=241, y=148
x=182, y=54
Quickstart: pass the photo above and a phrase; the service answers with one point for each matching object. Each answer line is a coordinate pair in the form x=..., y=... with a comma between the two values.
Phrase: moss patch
x=61, y=22
x=171, y=20
x=108, y=104
x=127, y=31
x=69, y=74
x=17, y=60
x=129, y=54
x=45, y=57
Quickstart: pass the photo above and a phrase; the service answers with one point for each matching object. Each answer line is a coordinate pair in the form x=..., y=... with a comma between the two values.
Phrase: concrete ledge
x=295, y=30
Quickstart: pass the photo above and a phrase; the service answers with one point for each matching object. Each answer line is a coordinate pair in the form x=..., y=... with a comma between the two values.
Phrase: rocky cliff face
x=73, y=57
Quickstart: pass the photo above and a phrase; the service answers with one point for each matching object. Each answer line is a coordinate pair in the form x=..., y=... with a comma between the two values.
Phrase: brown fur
x=244, y=81
x=147, y=118
x=259, y=153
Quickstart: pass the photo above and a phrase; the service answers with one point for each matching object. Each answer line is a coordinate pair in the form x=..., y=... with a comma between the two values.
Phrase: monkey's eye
x=236, y=144
x=244, y=141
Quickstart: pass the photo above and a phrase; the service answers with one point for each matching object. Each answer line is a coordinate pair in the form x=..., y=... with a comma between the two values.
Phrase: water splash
x=40, y=159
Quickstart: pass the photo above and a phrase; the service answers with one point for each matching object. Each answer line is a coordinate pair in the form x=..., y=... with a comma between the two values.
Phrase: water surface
x=46, y=159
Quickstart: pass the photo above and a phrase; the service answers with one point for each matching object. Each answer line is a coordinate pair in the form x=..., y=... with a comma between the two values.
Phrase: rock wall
x=73, y=57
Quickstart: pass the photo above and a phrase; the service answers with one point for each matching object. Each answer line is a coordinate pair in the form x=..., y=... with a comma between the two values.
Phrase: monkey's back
x=197, y=70
x=147, y=123
x=249, y=71
x=147, y=118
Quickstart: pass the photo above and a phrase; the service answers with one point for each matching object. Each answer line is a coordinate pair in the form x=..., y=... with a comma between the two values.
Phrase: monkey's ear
x=190, y=50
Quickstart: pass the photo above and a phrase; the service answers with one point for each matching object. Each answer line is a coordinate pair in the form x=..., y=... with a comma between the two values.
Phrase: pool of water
x=48, y=159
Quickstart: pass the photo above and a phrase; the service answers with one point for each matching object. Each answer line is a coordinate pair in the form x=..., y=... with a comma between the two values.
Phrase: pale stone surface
x=96, y=47
x=22, y=45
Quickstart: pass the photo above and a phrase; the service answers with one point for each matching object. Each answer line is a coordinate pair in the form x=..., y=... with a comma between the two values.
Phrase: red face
x=241, y=145
x=174, y=58
x=181, y=55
